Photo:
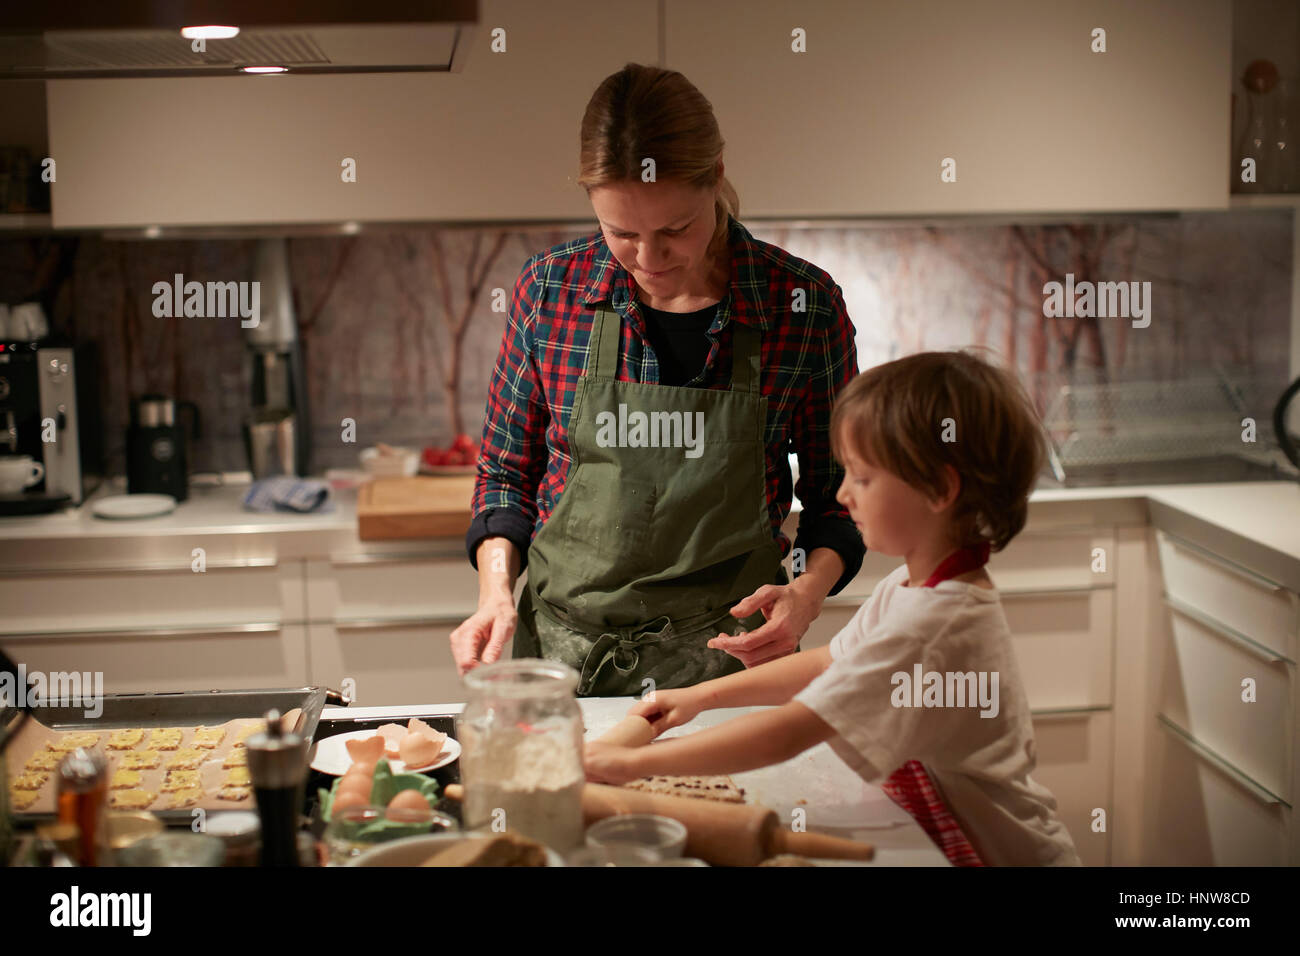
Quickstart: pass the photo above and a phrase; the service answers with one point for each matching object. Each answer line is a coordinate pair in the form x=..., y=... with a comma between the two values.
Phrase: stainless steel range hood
x=142, y=38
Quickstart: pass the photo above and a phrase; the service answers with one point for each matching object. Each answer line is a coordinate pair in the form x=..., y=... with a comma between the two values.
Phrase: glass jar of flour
x=521, y=758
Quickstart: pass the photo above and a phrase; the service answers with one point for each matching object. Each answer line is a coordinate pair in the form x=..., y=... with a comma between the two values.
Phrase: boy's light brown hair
x=895, y=416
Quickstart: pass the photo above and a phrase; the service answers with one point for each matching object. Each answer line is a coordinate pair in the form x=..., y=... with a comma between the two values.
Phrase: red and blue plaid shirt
x=807, y=357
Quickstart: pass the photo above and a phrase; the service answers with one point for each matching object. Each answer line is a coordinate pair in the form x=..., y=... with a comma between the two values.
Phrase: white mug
x=18, y=472
x=27, y=322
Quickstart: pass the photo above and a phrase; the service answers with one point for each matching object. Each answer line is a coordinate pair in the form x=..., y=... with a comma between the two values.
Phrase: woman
x=651, y=382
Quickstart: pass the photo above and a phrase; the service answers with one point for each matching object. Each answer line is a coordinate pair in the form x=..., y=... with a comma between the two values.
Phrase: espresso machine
x=277, y=430
x=49, y=412
x=157, y=447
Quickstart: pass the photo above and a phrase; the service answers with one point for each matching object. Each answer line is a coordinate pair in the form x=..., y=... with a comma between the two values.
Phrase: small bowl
x=403, y=463
x=661, y=835
x=620, y=854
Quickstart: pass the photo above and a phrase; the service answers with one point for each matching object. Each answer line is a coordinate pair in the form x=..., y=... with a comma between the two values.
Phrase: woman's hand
x=789, y=609
x=666, y=709
x=607, y=763
x=480, y=638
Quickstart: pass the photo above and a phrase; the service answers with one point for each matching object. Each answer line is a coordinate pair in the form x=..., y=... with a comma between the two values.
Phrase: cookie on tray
x=209, y=738
x=131, y=799
x=181, y=780
x=141, y=760
x=236, y=758
x=165, y=738
x=45, y=760
x=31, y=780
x=71, y=741
x=22, y=799
x=124, y=780
x=179, y=799
x=234, y=793
x=187, y=758
x=237, y=777
x=127, y=739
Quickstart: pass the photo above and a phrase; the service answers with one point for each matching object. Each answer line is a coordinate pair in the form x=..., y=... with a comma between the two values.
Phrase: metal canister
x=83, y=800
x=277, y=762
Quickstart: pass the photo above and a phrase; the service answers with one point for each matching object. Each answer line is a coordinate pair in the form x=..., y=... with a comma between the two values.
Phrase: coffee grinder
x=277, y=430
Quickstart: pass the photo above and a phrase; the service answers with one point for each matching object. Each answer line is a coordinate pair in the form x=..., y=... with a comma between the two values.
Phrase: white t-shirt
x=905, y=647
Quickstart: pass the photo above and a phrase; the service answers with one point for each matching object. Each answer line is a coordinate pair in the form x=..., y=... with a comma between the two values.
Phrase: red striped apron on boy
x=910, y=786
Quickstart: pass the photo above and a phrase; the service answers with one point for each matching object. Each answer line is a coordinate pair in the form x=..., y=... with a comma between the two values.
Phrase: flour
x=529, y=781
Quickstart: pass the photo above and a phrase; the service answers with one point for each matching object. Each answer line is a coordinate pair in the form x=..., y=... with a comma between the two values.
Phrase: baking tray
x=172, y=708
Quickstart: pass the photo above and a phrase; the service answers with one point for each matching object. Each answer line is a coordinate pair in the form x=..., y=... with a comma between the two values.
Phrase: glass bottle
x=83, y=801
x=521, y=759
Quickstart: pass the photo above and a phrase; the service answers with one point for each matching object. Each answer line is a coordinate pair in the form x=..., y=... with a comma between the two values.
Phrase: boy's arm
x=775, y=682
x=743, y=743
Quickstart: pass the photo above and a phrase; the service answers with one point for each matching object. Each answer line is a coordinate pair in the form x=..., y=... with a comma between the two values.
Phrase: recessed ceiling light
x=265, y=69
x=209, y=33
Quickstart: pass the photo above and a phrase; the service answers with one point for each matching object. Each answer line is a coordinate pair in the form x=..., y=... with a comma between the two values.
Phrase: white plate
x=332, y=755
x=133, y=506
x=412, y=851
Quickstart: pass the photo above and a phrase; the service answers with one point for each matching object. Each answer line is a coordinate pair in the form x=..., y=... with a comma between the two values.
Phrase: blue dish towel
x=288, y=494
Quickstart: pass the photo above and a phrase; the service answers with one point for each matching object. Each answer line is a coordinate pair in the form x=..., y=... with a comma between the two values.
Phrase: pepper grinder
x=277, y=762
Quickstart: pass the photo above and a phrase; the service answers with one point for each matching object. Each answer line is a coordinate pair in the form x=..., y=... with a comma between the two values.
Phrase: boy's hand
x=789, y=610
x=666, y=709
x=606, y=763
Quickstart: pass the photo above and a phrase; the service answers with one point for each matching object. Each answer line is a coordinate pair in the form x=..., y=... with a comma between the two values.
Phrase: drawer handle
x=1071, y=713
x=1210, y=557
x=234, y=564
x=374, y=623
x=1256, y=790
x=1210, y=624
x=262, y=627
x=399, y=557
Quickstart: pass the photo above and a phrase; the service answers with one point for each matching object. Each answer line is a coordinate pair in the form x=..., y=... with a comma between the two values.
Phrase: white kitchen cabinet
x=1223, y=768
x=142, y=597
x=1208, y=814
x=217, y=657
x=387, y=662
x=1075, y=762
x=496, y=141
x=372, y=586
x=860, y=123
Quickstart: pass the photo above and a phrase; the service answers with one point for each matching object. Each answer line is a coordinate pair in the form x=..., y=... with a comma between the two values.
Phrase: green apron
x=647, y=548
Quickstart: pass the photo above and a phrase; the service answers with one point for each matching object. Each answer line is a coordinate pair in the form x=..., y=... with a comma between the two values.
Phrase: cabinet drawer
x=387, y=664
x=1201, y=692
x=1063, y=645
x=1204, y=815
x=443, y=588
x=1232, y=595
x=239, y=656
x=124, y=600
x=1074, y=762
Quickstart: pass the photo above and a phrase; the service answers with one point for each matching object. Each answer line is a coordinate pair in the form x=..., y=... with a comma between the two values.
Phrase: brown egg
x=359, y=786
x=359, y=770
x=344, y=800
x=408, y=800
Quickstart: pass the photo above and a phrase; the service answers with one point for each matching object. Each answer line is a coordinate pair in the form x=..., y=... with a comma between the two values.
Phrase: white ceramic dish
x=332, y=755
x=413, y=851
x=402, y=464
x=127, y=507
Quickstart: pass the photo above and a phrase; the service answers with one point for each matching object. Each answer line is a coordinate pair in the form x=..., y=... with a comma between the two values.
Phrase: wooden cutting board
x=419, y=507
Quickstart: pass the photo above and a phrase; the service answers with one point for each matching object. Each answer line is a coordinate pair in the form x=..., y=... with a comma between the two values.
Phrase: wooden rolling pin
x=725, y=834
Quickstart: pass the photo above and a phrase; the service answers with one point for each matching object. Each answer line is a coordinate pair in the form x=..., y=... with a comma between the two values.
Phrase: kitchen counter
x=1254, y=523
x=839, y=802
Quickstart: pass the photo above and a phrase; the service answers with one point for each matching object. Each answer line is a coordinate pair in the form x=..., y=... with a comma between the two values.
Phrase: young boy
x=941, y=451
